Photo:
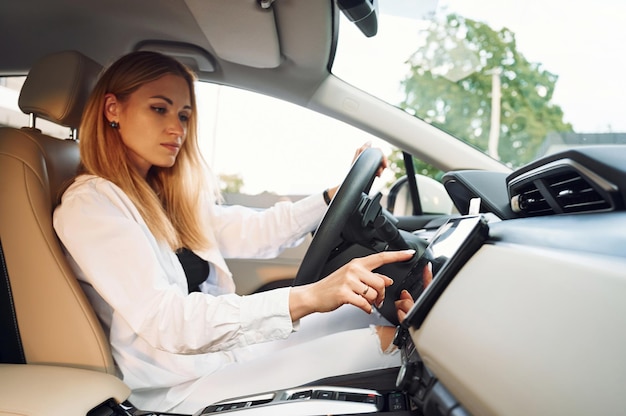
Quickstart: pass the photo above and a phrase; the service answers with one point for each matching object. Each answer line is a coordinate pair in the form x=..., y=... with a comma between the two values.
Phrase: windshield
x=518, y=80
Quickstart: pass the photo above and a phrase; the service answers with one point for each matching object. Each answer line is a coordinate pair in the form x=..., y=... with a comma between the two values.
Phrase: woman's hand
x=354, y=283
x=406, y=302
x=383, y=165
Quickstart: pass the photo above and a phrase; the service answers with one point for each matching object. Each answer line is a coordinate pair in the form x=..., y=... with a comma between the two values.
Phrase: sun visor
x=240, y=31
x=195, y=58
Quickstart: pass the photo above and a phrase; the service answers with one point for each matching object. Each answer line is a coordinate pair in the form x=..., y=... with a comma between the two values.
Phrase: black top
x=196, y=268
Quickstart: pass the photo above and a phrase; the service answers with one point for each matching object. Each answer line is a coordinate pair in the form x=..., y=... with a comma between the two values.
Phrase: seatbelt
x=11, y=351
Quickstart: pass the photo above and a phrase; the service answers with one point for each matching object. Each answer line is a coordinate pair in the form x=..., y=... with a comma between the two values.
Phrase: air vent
x=530, y=201
x=561, y=187
x=574, y=193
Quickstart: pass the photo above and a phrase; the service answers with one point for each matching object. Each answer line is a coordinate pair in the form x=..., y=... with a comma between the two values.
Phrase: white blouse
x=163, y=338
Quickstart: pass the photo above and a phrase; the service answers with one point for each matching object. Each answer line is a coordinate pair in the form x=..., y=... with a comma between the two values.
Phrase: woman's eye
x=183, y=117
x=160, y=110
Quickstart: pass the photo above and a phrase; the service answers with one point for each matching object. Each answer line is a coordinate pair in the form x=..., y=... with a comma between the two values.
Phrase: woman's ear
x=111, y=107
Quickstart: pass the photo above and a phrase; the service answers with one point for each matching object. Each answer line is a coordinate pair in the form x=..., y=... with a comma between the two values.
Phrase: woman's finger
x=374, y=261
x=361, y=301
x=360, y=150
x=427, y=275
x=373, y=294
x=404, y=304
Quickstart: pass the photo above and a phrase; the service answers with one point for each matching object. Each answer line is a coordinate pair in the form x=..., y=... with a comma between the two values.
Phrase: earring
x=114, y=124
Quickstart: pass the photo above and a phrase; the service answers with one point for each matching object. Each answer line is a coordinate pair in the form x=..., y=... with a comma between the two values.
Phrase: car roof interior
x=290, y=40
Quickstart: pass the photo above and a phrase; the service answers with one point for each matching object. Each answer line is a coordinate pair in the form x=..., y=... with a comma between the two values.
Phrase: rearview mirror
x=363, y=13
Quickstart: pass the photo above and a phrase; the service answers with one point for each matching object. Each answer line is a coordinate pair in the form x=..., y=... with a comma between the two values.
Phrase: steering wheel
x=328, y=235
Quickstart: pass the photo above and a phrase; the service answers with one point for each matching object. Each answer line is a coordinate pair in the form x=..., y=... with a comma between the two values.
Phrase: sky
x=586, y=87
x=576, y=48
x=319, y=154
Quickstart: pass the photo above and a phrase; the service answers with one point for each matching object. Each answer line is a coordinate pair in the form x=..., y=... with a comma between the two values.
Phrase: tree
x=453, y=77
x=230, y=183
x=396, y=165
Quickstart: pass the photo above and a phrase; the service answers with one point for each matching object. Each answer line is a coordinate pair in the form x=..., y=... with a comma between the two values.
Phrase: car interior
x=525, y=313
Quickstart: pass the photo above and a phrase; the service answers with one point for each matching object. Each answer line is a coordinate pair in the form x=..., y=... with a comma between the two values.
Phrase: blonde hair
x=169, y=199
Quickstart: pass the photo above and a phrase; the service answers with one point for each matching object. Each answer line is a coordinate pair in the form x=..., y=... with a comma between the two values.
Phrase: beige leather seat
x=55, y=324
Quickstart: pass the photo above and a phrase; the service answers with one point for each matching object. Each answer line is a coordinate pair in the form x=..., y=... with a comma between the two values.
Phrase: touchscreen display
x=452, y=245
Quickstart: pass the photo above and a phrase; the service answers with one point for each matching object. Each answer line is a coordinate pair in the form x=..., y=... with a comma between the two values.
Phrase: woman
x=143, y=230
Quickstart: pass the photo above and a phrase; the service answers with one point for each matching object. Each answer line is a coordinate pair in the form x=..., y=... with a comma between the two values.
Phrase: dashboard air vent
x=561, y=187
x=530, y=200
x=575, y=194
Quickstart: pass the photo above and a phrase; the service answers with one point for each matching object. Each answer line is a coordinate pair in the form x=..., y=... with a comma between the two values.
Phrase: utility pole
x=496, y=98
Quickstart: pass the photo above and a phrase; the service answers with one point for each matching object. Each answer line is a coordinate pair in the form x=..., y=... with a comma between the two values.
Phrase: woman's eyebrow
x=169, y=101
x=164, y=98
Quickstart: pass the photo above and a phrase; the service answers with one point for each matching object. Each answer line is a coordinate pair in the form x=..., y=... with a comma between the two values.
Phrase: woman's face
x=153, y=121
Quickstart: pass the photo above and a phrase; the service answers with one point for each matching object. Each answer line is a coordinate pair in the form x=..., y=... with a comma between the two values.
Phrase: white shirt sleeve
x=252, y=233
x=143, y=285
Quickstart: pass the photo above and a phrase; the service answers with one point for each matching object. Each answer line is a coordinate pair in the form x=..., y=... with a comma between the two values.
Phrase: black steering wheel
x=328, y=235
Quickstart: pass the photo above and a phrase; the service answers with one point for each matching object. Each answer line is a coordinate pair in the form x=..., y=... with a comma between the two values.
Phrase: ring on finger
x=367, y=288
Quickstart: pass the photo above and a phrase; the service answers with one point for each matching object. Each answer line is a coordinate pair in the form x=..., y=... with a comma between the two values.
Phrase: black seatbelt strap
x=11, y=351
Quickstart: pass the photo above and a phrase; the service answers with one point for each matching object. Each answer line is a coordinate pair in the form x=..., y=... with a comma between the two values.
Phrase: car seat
x=45, y=316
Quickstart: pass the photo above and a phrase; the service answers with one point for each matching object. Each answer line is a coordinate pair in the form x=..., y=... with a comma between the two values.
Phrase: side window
x=12, y=116
x=263, y=149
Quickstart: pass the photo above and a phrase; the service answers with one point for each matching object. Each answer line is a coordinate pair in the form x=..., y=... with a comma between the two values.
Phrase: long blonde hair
x=169, y=199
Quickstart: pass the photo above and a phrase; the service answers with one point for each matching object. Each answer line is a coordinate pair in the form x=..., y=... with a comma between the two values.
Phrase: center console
x=314, y=400
x=307, y=400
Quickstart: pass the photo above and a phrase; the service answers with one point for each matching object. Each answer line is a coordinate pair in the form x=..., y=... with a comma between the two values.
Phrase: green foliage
x=450, y=86
x=397, y=166
x=230, y=183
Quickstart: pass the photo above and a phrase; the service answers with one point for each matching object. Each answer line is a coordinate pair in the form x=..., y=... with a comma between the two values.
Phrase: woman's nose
x=176, y=126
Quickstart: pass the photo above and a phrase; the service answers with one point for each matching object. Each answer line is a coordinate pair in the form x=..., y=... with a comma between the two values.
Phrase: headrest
x=57, y=87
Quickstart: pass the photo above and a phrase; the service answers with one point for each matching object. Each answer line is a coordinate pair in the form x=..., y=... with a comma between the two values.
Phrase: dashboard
x=532, y=320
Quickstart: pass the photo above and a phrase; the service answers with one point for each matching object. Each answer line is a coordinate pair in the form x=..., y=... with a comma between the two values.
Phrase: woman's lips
x=172, y=147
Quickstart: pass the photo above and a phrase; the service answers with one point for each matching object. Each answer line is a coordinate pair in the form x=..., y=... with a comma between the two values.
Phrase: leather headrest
x=57, y=87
